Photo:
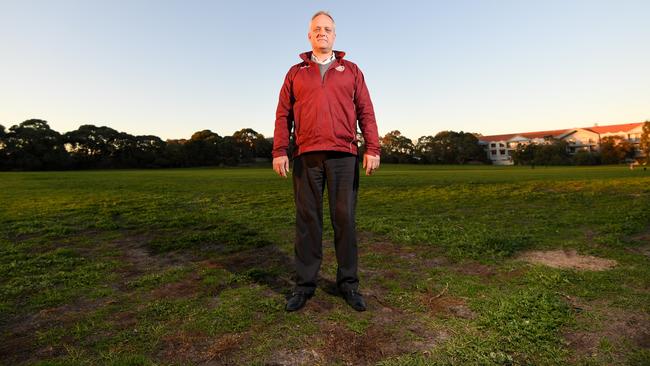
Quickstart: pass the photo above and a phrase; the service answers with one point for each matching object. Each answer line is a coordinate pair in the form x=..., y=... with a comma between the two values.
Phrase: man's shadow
x=271, y=267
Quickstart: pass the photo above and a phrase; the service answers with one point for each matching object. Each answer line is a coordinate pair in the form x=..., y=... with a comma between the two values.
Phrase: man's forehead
x=322, y=21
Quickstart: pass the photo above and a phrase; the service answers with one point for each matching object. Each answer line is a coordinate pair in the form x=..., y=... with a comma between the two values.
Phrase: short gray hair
x=323, y=12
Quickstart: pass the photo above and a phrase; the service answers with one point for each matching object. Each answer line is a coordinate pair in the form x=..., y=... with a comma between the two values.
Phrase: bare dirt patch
x=199, y=348
x=568, y=259
x=21, y=345
x=643, y=237
x=138, y=260
x=447, y=306
x=644, y=250
x=475, y=269
x=342, y=344
x=390, y=332
x=189, y=287
x=421, y=254
x=620, y=328
x=296, y=357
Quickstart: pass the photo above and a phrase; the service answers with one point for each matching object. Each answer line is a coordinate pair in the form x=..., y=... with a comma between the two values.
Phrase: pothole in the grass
x=568, y=259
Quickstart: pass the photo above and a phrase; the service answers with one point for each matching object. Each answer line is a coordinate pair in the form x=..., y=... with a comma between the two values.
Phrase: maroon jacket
x=323, y=112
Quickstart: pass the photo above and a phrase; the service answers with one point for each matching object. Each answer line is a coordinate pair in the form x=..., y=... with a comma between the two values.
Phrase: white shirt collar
x=327, y=60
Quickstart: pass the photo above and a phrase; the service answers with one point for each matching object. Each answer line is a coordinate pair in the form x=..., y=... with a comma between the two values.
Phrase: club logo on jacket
x=340, y=68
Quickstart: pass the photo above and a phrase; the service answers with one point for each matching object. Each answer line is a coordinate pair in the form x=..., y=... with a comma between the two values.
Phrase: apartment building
x=499, y=148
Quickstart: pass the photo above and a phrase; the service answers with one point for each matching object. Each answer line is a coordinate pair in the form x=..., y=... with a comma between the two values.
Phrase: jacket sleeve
x=366, y=115
x=283, y=118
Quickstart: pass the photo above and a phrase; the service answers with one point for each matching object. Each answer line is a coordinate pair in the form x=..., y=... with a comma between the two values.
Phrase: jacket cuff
x=373, y=151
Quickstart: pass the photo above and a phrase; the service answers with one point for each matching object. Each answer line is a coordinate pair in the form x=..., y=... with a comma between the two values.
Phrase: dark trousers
x=312, y=171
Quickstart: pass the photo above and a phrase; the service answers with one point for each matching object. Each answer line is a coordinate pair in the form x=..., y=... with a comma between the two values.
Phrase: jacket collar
x=306, y=56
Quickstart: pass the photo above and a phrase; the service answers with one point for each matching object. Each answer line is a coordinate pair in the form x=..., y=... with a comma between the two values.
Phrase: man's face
x=321, y=33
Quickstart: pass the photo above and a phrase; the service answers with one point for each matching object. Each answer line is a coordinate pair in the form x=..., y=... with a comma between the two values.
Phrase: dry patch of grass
x=607, y=333
x=568, y=259
x=193, y=348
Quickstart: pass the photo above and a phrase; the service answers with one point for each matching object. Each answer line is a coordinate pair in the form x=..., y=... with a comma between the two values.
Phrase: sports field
x=478, y=265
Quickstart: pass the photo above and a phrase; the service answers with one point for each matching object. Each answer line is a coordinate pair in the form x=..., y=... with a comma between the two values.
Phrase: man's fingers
x=369, y=169
x=371, y=163
x=281, y=166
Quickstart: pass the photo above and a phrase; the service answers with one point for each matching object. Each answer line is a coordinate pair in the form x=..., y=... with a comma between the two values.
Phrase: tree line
x=33, y=145
x=446, y=147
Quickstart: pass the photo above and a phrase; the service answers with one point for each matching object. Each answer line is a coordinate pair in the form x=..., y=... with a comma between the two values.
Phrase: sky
x=171, y=68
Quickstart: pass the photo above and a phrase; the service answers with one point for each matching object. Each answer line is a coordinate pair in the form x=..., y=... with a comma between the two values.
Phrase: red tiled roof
x=530, y=135
x=541, y=134
x=614, y=128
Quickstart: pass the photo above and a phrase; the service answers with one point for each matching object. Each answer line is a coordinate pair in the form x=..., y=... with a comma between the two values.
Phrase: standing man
x=321, y=100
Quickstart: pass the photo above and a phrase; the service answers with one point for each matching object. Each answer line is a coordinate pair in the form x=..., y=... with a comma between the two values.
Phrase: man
x=321, y=100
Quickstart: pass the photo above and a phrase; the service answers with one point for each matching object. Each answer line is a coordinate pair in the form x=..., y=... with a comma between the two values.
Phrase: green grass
x=188, y=266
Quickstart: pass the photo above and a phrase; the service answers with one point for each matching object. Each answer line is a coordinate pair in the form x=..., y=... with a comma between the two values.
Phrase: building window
x=493, y=145
x=494, y=152
x=501, y=145
x=502, y=151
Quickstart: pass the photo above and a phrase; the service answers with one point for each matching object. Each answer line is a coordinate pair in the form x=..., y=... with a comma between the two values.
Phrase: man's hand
x=281, y=165
x=370, y=163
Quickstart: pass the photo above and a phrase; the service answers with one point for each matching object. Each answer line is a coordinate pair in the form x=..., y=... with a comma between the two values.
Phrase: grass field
x=192, y=266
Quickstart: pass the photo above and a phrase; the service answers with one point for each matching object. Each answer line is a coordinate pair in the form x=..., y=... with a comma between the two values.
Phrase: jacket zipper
x=322, y=84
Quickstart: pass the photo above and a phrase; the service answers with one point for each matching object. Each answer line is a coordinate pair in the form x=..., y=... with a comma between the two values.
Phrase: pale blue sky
x=171, y=68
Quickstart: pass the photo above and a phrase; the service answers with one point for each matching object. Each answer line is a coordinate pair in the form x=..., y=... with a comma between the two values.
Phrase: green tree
x=145, y=151
x=263, y=147
x=584, y=157
x=644, y=143
x=524, y=154
x=91, y=146
x=229, y=150
x=615, y=149
x=396, y=148
x=203, y=148
x=551, y=152
x=450, y=147
x=2, y=137
x=468, y=148
x=3, y=150
x=176, y=153
x=425, y=149
x=445, y=146
x=251, y=144
x=33, y=145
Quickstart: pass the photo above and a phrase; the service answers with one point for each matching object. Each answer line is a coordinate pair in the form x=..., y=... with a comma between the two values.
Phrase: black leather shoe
x=297, y=301
x=355, y=300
